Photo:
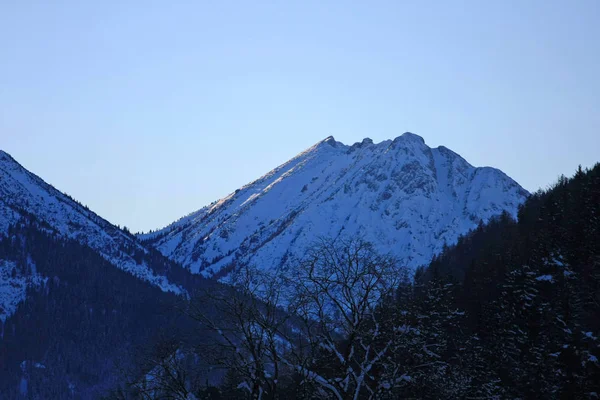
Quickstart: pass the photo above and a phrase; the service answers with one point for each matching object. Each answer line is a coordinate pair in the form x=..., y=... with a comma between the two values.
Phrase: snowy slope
x=22, y=193
x=13, y=288
x=402, y=195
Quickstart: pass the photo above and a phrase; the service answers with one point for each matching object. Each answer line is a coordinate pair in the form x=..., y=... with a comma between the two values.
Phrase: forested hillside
x=531, y=291
x=83, y=321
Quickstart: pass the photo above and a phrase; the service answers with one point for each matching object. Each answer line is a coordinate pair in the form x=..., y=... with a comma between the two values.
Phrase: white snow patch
x=13, y=287
x=544, y=278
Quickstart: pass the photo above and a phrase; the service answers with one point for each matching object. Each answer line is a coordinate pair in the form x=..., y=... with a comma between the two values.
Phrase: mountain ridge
x=404, y=171
x=23, y=194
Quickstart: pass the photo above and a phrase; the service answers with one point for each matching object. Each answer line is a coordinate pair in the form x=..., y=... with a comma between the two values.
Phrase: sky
x=148, y=110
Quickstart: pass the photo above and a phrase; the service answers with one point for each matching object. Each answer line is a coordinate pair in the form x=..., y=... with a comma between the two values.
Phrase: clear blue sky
x=146, y=111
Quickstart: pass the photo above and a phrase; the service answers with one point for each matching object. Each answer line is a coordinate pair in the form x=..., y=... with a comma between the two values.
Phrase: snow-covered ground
x=13, y=287
x=405, y=197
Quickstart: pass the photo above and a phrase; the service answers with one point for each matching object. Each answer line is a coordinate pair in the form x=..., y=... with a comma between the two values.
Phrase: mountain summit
x=405, y=197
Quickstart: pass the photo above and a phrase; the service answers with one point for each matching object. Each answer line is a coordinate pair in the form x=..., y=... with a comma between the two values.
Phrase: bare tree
x=162, y=373
x=337, y=334
x=167, y=377
x=340, y=294
x=249, y=324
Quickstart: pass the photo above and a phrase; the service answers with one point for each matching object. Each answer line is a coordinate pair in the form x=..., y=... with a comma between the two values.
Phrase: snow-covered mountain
x=23, y=193
x=405, y=197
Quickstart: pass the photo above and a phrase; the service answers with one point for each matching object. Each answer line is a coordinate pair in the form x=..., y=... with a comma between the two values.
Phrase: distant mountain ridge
x=24, y=194
x=405, y=197
x=78, y=295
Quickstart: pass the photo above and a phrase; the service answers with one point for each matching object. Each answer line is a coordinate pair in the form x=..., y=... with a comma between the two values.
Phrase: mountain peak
x=407, y=202
x=359, y=145
x=330, y=140
x=409, y=136
x=5, y=157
